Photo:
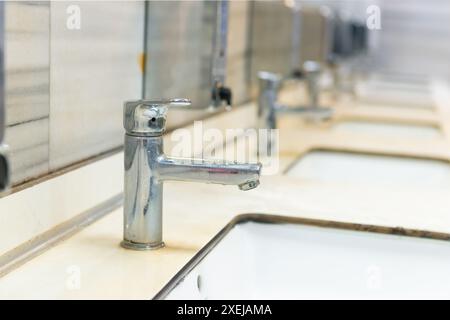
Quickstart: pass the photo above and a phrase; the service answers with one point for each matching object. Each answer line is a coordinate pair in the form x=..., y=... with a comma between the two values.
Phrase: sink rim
x=390, y=122
x=355, y=151
x=285, y=219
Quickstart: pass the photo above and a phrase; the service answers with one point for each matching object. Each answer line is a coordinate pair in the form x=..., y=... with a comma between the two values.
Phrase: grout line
x=12, y=125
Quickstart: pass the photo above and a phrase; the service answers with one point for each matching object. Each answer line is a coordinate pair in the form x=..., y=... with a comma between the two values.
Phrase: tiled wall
x=27, y=98
x=179, y=41
x=271, y=38
x=414, y=37
x=93, y=70
x=238, y=64
x=65, y=88
x=179, y=54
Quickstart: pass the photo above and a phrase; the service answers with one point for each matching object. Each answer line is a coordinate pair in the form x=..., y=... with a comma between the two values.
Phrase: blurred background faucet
x=269, y=109
x=194, y=62
x=220, y=94
x=349, y=49
x=4, y=166
x=311, y=71
x=269, y=86
x=147, y=168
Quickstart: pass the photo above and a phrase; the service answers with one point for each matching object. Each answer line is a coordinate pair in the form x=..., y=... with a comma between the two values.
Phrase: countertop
x=92, y=265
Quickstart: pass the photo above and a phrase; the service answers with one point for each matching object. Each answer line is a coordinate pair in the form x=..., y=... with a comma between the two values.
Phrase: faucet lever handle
x=148, y=117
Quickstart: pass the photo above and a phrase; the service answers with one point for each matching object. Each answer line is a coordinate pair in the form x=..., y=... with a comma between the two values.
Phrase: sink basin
x=400, y=79
x=385, y=93
x=388, y=129
x=358, y=168
x=274, y=257
x=400, y=87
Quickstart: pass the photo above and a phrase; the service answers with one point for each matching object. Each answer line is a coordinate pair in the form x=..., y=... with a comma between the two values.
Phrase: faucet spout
x=209, y=171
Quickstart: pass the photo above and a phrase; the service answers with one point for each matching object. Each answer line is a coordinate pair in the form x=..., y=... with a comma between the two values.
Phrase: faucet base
x=141, y=246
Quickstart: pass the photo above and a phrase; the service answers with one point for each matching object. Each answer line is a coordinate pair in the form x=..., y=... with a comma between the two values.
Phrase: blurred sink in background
x=401, y=130
x=276, y=257
x=389, y=83
x=399, y=94
x=401, y=79
x=359, y=168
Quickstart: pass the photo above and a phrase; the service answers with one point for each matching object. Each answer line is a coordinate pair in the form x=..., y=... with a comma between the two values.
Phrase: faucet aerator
x=249, y=185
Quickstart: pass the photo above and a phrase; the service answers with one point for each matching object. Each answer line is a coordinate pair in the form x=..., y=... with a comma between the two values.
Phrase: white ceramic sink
x=400, y=78
x=368, y=169
x=388, y=129
x=400, y=86
x=396, y=94
x=270, y=258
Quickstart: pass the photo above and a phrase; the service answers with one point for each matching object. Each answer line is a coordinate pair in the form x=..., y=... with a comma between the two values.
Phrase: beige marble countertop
x=92, y=265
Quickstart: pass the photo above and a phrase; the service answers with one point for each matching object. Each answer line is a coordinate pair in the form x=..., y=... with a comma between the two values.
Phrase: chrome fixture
x=269, y=86
x=269, y=108
x=311, y=71
x=349, y=51
x=4, y=164
x=200, y=32
x=220, y=94
x=147, y=168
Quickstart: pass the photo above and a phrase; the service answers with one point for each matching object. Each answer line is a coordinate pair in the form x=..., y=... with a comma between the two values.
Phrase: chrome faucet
x=147, y=168
x=311, y=71
x=269, y=108
x=220, y=94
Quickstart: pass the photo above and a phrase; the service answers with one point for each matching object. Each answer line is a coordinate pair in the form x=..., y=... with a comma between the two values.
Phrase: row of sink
x=260, y=256
x=379, y=169
x=399, y=130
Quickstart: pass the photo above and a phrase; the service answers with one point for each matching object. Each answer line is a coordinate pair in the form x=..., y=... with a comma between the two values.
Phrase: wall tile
x=65, y=88
x=29, y=163
x=271, y=40
x=239, y=50
x=414, y=38
x=178, y=55
x=93, y=70
x=27, y=87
